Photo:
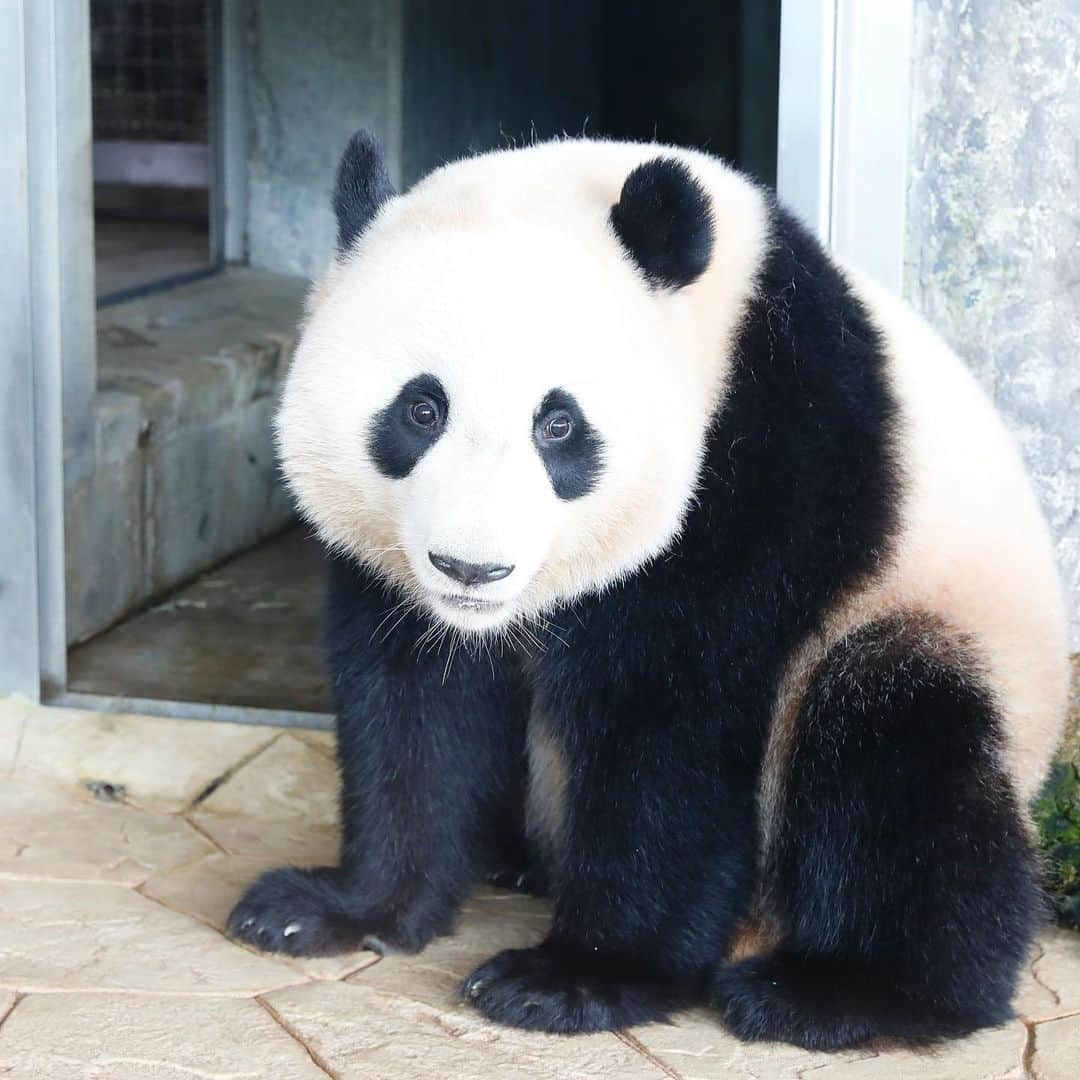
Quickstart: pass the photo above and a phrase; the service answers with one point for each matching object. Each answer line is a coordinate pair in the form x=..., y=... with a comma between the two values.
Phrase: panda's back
x=969, y=546
x=972, y=547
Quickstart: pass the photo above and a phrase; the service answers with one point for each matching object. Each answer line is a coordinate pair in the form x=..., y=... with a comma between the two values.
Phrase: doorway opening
x=190, y=587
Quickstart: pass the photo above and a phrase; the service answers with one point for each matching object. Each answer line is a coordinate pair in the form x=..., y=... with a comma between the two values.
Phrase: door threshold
x=193, y=710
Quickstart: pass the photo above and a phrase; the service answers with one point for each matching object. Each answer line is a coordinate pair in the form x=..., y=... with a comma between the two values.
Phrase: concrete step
x=183, y=472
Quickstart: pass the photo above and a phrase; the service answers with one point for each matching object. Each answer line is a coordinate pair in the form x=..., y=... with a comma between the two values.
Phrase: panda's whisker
x=432, y=639
x=412, y=605
x=418, y=644
x=437, y=644
x=386, y=615
x=545, y=627
x=454, y=640
x=386, y=550
x=524, y=638
x=527, y=635
x=428, y=639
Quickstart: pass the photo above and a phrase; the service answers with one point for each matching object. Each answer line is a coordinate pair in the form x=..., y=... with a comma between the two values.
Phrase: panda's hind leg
x=899, y=866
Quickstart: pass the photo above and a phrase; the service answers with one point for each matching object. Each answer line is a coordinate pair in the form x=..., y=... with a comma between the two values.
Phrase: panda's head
x=501, y=391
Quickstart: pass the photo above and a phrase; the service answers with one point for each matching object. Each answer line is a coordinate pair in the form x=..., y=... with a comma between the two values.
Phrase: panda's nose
x=469, y=573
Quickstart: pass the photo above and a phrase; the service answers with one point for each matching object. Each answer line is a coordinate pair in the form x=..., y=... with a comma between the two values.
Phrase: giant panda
x=678, y=572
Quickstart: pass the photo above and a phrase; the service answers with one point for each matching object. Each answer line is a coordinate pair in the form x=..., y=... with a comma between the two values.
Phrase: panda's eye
x=557, y=427
x=424, y=413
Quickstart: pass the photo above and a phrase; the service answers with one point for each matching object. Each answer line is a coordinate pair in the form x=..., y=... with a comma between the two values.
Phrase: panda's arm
x=431, y=752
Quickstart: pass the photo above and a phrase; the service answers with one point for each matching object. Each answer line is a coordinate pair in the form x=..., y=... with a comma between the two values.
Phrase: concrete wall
x=317, y=70
x=993, y=245
x=467, y=76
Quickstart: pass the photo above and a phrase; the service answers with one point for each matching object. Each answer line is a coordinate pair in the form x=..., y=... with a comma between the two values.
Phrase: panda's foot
x=304, y=913
x=820, y=1005
x=548, y=989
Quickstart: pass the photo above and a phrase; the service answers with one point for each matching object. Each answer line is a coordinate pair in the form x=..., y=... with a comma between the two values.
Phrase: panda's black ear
x=363, y=185
x=664, y=220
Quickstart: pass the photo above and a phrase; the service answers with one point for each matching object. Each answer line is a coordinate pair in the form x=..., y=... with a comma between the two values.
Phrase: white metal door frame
x=47, y=335
x=844, y=115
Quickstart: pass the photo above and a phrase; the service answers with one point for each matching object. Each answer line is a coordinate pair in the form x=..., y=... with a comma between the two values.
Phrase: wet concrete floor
x=249, y=632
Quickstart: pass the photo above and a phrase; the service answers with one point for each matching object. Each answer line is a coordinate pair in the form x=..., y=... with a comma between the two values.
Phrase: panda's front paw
x=550, y=989
x=297, y=912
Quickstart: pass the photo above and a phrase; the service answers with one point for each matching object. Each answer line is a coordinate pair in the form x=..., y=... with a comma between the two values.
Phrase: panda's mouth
x=470, y=603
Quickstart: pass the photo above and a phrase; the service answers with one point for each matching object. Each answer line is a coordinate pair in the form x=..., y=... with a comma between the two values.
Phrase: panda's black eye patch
x=569, y=446
x=408, y=427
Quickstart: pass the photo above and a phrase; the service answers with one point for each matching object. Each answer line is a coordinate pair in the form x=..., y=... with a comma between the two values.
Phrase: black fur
x=900, y=849
x=363, y=186
x=664, y=220
x=900, y=869
x=433, y=771
x=574, y=464
x=395, y=443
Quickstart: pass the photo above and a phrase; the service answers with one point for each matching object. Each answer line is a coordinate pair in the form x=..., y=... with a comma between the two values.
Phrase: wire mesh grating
x=150, y=69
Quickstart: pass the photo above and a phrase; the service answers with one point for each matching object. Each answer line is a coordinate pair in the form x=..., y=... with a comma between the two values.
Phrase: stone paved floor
x=125, y=840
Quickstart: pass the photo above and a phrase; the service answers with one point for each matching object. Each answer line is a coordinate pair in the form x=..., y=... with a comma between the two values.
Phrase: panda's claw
x=296, y=912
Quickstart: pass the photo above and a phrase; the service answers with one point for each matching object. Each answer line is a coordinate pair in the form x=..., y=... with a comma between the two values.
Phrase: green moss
x=1057, y=815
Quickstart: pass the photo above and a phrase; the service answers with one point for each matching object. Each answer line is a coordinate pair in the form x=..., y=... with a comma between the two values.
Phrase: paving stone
x=46, y=832
x=1052, y=985
x=357, y=1031
x=174, y=998
x=282, y=806
x=83, y=936
x=134, y=1037
x=486, y=926
x=290, y=781
x=207, y=890
x=988, y=1055
x=697, y=1048
x=297, y=841
x=326, y=741
x=1057, y=1050
x=159, y=763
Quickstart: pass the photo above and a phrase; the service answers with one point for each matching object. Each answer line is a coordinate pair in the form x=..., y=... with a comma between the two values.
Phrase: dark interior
x=698, y=73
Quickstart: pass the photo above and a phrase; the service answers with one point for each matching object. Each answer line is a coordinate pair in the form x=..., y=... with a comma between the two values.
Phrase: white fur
x=501, y=276
x=549, y=776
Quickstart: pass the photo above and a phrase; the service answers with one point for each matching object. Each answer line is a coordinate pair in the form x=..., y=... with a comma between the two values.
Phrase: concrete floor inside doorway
x=248, y=632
